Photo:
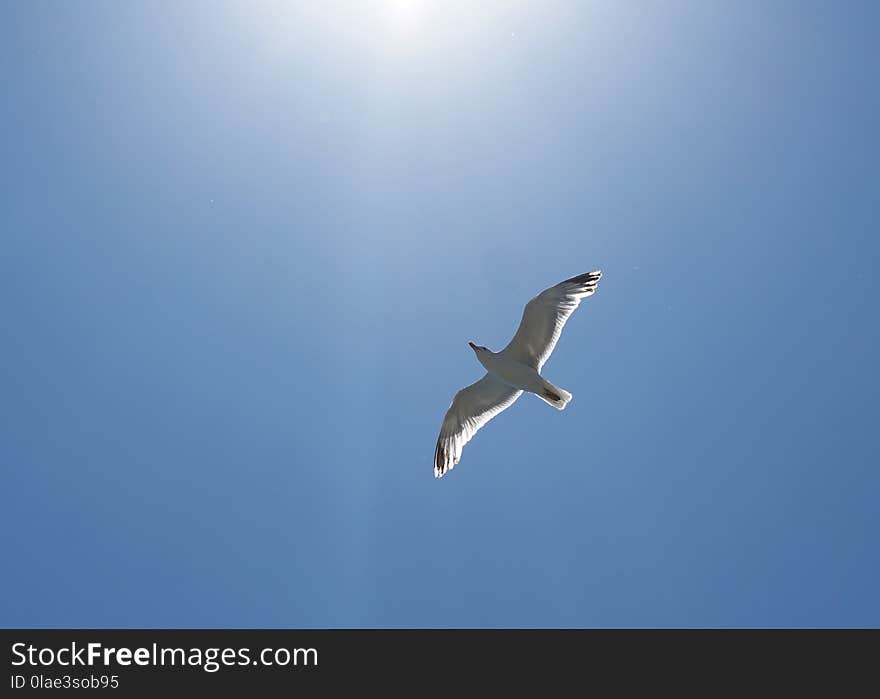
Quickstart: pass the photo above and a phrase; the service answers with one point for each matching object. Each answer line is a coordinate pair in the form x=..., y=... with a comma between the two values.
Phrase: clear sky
x=244, y=246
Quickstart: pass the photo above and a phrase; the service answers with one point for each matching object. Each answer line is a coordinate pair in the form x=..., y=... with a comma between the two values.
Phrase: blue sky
x=245, y=245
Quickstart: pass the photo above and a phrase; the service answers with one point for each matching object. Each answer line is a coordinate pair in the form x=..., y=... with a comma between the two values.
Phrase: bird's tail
x=555, y=396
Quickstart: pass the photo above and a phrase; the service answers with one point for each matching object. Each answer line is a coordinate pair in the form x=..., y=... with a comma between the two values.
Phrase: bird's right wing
x=544, y=317
x=472, y=407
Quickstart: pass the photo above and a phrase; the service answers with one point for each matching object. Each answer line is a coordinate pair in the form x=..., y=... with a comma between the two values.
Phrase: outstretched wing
x=472, y=407
x=544, y=317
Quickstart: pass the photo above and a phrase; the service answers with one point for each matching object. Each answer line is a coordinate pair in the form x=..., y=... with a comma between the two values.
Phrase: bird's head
x=478, y=348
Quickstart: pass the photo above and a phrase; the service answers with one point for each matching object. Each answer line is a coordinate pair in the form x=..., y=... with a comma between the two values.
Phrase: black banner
x=128, y=662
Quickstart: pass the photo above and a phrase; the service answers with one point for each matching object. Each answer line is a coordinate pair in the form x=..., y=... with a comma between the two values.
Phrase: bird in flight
x=514, y=369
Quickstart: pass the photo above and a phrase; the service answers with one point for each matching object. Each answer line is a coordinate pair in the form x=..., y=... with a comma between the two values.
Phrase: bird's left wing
x=472, y=407
x=544, y=317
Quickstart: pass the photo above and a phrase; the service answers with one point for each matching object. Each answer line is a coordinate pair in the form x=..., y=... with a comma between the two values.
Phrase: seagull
x=514, y=369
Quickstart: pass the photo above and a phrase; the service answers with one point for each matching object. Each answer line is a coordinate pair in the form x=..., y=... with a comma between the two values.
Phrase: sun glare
x=403, y=19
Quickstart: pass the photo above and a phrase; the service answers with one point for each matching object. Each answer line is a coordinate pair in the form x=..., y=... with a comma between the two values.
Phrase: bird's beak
x=473, y=346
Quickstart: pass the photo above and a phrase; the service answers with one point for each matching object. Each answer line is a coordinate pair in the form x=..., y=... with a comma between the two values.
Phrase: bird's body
x=522, y=377
x=513, y=370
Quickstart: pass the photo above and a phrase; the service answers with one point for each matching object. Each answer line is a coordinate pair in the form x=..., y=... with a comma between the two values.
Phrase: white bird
x=514, y=369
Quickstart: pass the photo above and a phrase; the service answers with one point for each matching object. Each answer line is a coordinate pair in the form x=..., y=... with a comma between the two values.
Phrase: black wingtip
x=586, y=278
x=441, y=461
x=588, y=281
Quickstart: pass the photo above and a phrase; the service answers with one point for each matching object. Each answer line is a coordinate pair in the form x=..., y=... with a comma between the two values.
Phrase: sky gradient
x=244, y=246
